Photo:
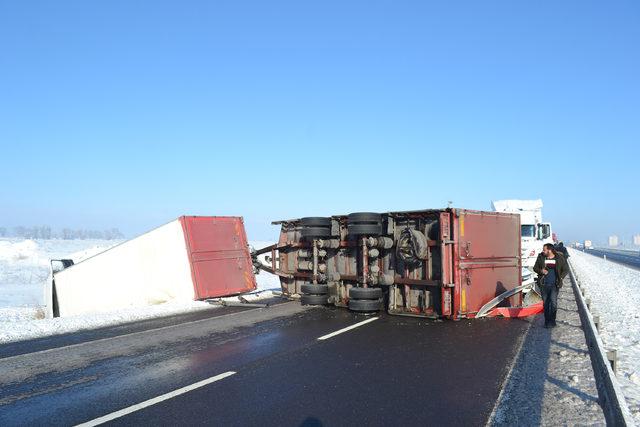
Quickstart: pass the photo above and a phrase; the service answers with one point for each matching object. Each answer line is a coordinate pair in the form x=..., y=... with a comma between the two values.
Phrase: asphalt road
x=391, y=370
x=630, y=259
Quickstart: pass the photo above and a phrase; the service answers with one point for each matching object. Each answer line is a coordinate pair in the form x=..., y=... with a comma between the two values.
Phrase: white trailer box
x=187, y=259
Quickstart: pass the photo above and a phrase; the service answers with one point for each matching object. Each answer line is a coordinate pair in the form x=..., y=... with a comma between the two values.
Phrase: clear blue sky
x=129, y=113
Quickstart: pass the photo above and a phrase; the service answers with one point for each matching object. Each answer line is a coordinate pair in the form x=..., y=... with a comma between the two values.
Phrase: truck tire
x=313, y=299
x=364, y=218
x=364, y=229
x=315, y=221
x=311, y=289
x=315, y=232
x=365, y=293
x=365, y=305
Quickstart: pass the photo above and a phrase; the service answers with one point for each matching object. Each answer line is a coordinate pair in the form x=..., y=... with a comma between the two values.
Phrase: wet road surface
x=392, y=370
x=630, y=259
x=39, y=344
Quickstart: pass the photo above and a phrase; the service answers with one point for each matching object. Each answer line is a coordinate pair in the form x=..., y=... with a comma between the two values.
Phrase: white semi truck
x=534, y=233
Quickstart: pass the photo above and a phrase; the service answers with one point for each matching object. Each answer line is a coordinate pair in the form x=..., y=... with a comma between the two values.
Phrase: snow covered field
x=24, y=271
x=24, y=268
x=614, y=292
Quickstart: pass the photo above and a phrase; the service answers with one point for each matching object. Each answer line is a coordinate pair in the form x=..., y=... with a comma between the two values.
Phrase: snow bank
x=614, y=291
x=265, y=280
x=24, y=269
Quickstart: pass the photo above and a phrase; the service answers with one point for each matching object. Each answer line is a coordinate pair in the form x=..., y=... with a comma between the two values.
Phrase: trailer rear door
x=219, y=255
x=488, y=257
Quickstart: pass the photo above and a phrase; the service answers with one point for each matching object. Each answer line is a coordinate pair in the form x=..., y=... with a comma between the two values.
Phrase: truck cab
x=534, y=237
x=534, y=233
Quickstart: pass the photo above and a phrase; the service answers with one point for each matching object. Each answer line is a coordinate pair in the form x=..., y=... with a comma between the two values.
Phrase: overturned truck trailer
x=437, y=263
x=190, y=258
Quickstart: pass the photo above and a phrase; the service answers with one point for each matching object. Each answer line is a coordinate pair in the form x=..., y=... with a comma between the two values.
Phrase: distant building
x=613, y=240
x=636, y=240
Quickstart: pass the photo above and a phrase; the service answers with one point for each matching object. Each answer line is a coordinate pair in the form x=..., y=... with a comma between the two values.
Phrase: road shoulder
x=552, y=381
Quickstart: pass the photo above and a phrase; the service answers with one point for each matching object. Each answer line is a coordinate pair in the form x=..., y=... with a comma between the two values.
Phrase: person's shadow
x=311, y=422
x=499, y=290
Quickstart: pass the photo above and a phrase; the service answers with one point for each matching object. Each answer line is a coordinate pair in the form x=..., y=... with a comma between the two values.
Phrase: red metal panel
x=488, y=258
x=219, y=255
x=487, y=235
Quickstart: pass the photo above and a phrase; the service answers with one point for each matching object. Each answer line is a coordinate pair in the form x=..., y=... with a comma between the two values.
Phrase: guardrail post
x=612, y=355
x=588, y=301
x=596, y=320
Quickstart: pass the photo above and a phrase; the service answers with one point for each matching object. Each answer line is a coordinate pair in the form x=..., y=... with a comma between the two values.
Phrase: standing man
x=563, y=250
x=551, y=268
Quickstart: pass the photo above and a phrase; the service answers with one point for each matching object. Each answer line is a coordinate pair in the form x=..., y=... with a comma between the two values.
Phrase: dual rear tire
x=358, y=224
x=362, y=300
x=315, y=227
x=317, y=294
x=364, y=224
x=365, y=300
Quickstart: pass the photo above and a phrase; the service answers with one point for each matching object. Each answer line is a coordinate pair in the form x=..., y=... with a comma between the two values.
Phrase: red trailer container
x=433, y=263
x=190, y=258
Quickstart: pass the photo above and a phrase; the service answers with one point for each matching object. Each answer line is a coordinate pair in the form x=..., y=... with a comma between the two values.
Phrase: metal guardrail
x=612, y=400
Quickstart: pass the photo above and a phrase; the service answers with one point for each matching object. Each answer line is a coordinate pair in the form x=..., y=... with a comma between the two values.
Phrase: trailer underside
x=430, y=263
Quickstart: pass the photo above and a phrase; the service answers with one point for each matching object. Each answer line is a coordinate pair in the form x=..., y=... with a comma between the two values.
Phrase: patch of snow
x=265, y=280
x=615, y=297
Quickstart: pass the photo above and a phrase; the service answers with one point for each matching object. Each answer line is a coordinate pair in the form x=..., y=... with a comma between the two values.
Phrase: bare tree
x=45, y=232
x=112, y=234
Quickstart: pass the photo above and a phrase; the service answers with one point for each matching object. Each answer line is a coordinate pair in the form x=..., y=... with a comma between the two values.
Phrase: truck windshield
x=528, y=230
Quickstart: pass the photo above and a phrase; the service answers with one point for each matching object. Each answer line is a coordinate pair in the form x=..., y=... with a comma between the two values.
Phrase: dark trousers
x=550, y=301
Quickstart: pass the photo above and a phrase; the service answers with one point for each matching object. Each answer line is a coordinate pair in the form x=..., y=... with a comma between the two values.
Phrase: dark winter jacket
x=563, y=250
x=562, y=269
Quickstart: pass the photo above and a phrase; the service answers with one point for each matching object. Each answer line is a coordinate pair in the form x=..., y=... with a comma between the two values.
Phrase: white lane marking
x=153, y=401
x=348, y=328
